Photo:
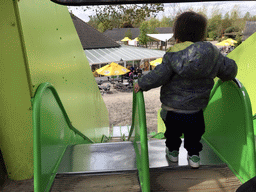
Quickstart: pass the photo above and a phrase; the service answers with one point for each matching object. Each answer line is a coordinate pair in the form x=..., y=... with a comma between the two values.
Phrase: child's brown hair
x=190, y=26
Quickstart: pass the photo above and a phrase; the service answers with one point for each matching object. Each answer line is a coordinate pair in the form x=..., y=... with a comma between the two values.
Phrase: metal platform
x=120, y=156
x=157, y=157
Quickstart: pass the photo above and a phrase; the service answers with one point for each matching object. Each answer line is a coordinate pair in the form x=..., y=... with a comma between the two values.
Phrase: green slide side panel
x=229, y=128
x=160, y=123
x=16, y=133
x=140, y=141
x=55, y=55
x=245, y=57
x=53, y=132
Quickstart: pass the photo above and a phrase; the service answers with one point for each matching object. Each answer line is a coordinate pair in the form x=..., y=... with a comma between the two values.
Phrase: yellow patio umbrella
x=156, y=62
x=223, y=43
x=136, y=39
x=112, y=69
x=227, y=42
x=231, y=41
x=126, y=39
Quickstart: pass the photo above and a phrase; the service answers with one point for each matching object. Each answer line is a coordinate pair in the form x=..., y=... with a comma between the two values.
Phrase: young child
x=186, y=77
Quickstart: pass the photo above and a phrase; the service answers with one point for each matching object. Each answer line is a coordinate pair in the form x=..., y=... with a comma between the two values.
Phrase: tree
x=226, y=22
x=238, y=39
x=235, y=14
x=214, y=27
x=114, y=16
x=203, y=11
x=153, y=23
x=166, y=22
x=247, y=16
x=253, y=18
x=231, y=29
x=94, y=22
x=128, y=33
x=143, y=38
x=236, y=19
x=101, y=28
x=175, y=10
x=127, y=25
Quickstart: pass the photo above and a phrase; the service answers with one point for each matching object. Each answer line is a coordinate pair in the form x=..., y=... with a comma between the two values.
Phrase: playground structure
x=46, y=77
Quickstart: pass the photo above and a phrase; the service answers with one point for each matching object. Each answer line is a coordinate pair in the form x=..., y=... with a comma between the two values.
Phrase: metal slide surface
x=112, y=167
x=120, y=156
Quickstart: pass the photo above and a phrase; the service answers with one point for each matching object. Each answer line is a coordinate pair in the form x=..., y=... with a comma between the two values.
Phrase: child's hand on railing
x=136, y=87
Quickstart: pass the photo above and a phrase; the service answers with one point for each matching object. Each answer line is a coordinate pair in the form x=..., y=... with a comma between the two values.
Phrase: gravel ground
x=119, y=105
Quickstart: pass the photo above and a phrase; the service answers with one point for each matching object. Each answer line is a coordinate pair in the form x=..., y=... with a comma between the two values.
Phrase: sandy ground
x=119, y=105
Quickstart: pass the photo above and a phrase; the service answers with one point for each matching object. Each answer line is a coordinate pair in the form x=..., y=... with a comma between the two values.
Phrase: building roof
x=101, y=49
x=161, y=37
x=117, y=34
x=164, y=30
x=90, y=37
x=250, y=28
x=126, y=53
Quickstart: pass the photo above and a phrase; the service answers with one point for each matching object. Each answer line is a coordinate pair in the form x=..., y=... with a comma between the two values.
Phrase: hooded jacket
x=187, y=75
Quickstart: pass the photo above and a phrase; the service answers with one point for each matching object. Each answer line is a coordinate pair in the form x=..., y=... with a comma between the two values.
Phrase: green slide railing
x=229, y=128
x=138, y=134
x=53, y=132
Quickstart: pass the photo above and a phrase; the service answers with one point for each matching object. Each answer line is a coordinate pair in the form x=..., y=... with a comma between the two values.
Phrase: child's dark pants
x=193, y=127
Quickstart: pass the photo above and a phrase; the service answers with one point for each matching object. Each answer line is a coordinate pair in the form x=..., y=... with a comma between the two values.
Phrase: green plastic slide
x=245, y=55
x=138, y=134
x=229, y=128
x=53, y=132
x=39, y=44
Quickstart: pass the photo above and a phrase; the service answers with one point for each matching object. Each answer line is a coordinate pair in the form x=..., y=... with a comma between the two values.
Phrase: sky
x=224, y=6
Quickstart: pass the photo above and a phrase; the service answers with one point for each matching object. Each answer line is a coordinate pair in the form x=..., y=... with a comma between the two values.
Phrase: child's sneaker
x=172, y=156
x=194, y=161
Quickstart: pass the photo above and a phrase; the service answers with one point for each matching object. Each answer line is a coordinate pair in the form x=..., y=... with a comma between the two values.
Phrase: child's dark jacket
x=187, y=76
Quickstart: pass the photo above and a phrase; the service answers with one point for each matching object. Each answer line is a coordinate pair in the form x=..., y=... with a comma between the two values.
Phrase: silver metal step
x=120, y=156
